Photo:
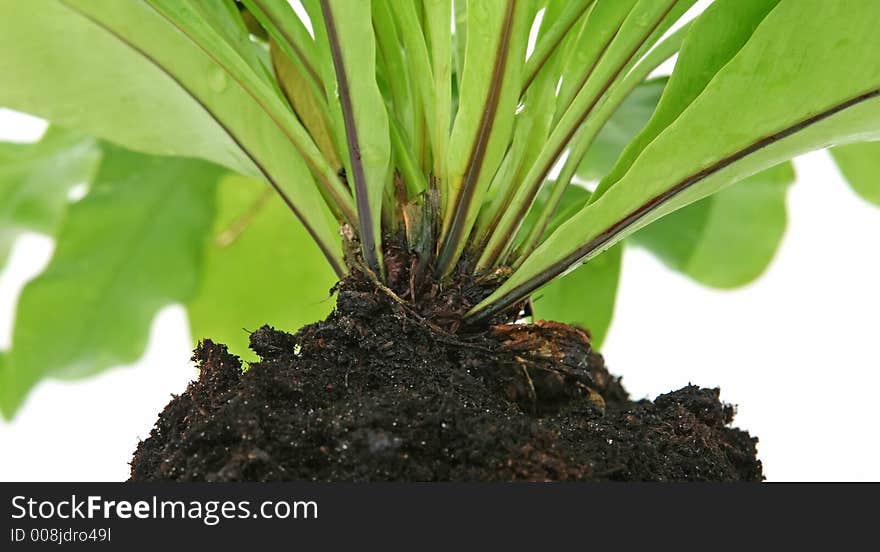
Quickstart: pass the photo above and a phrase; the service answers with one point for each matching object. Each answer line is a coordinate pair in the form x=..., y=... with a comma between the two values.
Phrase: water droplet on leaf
x=218, y=81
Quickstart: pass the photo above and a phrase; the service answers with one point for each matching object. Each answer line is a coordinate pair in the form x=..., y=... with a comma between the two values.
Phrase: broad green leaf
x=7, y=238
x=295, y=55
x=585, y=297
x=727, y=239
x=715, y=37
x=35, y=180
x=327, y=72
x=133, y=245
x=407, y=117
x=5, y=412
x=405, y=162
x=860, y=165
x=309, y=107
x=59, y=65
x=626, y=123
x=642, y=27
x=827, y=96
x=265, y=99
x=259, y=269
x=225, y=18
x=583, y=140
x=573, y=199
x=125, y=72
x=352, y=43
x=459, y=37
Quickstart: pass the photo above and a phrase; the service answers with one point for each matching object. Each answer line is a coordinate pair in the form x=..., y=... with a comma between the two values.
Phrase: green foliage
x=715, y=39
x=353, y=50
x=484, y=122
x=860, y=165
x=619, y=131
x=144, y=58
x=35, y=181
x=131, y=246
x=644, y=24
x=727, y=239
x=61, y=66
x=584, y=297
x=724, y=136
x=385, y=111
x=258, y=269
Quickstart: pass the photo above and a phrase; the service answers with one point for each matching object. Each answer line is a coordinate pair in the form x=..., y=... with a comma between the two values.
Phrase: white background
x=798, y=351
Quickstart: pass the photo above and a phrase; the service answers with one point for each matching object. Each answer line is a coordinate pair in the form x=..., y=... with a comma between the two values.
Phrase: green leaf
x=259, y=269
x=532, y=125
x=133, y=245
x=289, y=32
x=573, y=199
x=459, y=42
x=309, y=107
x=642, y=27
x=585, y=297
x=413, y=41
x=619, y=131
x=159, y=82
x=715, y=37
x=225, y=18
x=725, y=240
x=728, y=239
x=583, y=140
x=560, y=16
x=6, y=412
x=57, y=64
x=263, y=98
x=353, y=49
x=594, y=34
x=439, y=33
x=490, y=87
x=406, y=118
x=7, y=238
x=860, y=165
x=829, y=96
x=35, y=180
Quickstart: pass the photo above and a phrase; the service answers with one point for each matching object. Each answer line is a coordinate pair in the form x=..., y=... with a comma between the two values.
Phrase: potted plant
x=469, y=187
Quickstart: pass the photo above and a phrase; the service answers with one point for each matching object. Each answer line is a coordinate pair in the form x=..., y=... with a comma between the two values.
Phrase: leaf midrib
x=365, y=214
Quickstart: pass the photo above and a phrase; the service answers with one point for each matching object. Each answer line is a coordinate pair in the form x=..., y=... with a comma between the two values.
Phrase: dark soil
x=385, y=391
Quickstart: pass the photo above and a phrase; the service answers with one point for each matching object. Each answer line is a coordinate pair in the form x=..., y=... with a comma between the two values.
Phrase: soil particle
x=375, y=392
